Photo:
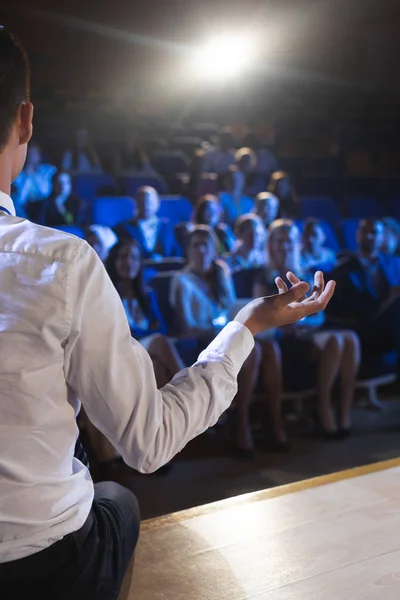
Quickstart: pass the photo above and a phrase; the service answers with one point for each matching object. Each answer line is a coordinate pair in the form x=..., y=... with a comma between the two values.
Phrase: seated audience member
x=233, y=199
x=202, y=295
x=314, y=254
x=101, y=238
x=266, y=206
x=266, y=161
x=367, y=296
x=33, y=185
x=125, y=268
x=154, y=235
x=62, y=207
x=196, y=171
x=208, y=211
x=337, y=353
x=82, y=156
x=281, y=186
x=219, y=160
x=250, y=250
x=132, y=158
x=391, y=236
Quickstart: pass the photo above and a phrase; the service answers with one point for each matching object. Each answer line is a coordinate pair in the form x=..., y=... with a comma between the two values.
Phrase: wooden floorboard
x=335, y=537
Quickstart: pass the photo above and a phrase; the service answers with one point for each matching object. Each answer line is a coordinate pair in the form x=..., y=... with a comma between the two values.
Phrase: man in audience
x=65, y=336
x=368, y=292
x=154, y=235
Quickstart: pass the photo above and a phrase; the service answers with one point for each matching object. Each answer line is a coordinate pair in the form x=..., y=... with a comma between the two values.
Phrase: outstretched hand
x=288, y=306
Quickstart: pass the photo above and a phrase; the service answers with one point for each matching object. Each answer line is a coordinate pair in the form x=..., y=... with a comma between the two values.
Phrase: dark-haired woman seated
x=250, y=250
x=282, y=187
x=125, y=267
x=203, y=296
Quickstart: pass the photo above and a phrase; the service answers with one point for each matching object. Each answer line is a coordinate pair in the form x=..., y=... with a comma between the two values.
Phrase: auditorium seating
x=113, y=210
x=319, y=207
x=175, y=208
x=72, y=229
x=129, y=185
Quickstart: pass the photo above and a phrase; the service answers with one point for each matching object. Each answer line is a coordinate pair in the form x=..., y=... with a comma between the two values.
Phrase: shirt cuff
x=235, y=342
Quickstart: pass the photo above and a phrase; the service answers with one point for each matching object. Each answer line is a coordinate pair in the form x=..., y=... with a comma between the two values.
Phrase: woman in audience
x=132, y=158
x=266, y=206
x=250, y=250
x=391, y=236
x=33, y=185
x=281, y=186
x=154, y=235
x=337, y=352
x=202, y=295
x=314, y=254
x=125, y=267
x=62, y=207
x=233, y=199
x=208, y=211
x=82, y=156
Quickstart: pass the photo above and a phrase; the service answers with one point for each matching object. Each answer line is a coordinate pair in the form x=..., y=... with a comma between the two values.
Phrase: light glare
x=224, y=57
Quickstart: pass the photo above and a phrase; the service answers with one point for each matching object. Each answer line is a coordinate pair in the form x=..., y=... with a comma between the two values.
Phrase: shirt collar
x=6, y=202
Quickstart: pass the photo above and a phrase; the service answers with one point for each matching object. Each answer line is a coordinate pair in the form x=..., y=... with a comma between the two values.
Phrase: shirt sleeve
x=114, y=378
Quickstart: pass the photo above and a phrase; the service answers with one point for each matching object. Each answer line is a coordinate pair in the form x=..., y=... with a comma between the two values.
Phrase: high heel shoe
x=320, y=430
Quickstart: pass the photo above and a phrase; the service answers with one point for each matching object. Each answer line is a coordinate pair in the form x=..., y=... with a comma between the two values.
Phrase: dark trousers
x=89, y=564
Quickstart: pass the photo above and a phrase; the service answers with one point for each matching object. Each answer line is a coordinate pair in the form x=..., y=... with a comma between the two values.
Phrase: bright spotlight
x=224, y=57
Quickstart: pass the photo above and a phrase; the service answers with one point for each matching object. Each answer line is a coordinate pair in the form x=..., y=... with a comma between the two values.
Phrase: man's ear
x=25, y=127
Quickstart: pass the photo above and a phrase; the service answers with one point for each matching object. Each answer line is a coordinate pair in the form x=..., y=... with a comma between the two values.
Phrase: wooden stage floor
x=335, y=537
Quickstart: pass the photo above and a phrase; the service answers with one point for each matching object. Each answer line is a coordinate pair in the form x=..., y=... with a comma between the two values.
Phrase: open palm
x=288, y=306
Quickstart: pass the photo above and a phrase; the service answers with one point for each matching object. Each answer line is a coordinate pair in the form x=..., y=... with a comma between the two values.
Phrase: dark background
x=126, y=47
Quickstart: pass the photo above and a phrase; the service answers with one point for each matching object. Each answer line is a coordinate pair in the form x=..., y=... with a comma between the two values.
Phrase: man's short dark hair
x=14, y=82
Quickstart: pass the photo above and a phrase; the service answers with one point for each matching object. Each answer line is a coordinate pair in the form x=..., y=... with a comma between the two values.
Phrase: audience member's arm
x=114, y=378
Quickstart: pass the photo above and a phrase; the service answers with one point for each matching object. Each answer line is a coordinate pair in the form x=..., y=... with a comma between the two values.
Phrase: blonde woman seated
x=250, y=249
x=337, y=353
x=202, y=295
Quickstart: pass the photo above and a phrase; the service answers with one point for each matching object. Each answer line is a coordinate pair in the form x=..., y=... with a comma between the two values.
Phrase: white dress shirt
x=64, y=335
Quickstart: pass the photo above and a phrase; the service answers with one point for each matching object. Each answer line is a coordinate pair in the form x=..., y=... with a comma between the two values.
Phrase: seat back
x=348, y=229
x=89, y=185
x=72, y=229
x=319, y=207
x=175, y=208
x=363, y=207
x=113, y=210
x=161, y=284
x=166, y=264
x=130, y=184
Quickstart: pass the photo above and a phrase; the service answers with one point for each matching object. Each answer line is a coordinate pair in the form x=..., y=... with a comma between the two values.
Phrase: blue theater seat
x=88, y=186
x=130, y=184
x=175, y=208
x=161, y=285
x=348, y=231
x=113, y=210
x=166, y=264
x=72, y=229
x=319, y=207
x=360, y=206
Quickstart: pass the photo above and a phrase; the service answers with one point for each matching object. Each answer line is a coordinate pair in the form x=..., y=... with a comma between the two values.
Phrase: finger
x=321, y=302
x=281, y=285
x=318, y=287
x=295, y=293
x=293, y=279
